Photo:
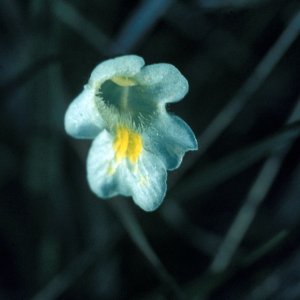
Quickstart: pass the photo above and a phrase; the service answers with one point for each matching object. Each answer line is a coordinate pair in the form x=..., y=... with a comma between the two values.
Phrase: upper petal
x=169, y=137
x=82, y=119
x=127, y=66
x=164, y=82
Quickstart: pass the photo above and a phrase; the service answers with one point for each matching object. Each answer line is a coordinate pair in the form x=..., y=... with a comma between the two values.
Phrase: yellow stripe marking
x=123, y=81
x=127, y=144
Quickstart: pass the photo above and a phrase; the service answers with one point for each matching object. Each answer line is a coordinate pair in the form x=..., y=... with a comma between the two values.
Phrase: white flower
x=135, y=140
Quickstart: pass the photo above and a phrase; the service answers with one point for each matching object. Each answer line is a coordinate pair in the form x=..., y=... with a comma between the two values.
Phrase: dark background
x=229, y=226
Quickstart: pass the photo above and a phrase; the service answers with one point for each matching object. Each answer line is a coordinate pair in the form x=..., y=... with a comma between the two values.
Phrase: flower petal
x=164, y=82
x=170, y=137
x=103, y=182
x=82, y=119
x=148, y=183
x=127, y=66
x=144, y=181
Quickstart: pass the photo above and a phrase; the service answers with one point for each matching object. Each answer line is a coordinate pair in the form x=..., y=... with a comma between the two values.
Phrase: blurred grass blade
x=202, y=240
x=237, y=162
x=88, y=31
x=138, y=237
x=246, y=214
x=295, y=114
x=204, y=286
x=266, y=248
x=233, y=4
x=139, y=24
x=255, y=197
x=252, y=84
x=66, y=278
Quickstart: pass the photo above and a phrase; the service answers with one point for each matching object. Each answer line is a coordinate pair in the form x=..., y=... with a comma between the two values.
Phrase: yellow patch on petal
x=127, y=144
x=123, y=81
x=120, y=144
x=111, y=170
x=135, y=145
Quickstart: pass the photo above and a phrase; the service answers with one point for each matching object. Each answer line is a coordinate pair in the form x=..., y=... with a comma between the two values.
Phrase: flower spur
x=136, y=141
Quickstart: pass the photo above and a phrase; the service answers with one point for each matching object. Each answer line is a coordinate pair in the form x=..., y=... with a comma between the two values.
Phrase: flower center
x=127, y=144
x=127, y=99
